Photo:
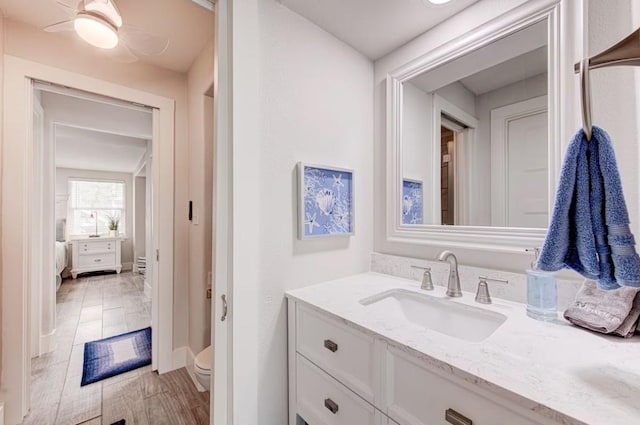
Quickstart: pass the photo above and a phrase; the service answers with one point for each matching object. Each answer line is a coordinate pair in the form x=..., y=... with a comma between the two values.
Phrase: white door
x=519, y=164
x=222, y=378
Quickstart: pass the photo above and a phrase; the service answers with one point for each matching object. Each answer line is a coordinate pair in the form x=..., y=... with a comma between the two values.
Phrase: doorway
x=17, y=216
x=447, y=175
x=97, y=150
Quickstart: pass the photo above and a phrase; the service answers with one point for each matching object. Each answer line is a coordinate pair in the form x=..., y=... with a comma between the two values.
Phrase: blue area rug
x=115, y=355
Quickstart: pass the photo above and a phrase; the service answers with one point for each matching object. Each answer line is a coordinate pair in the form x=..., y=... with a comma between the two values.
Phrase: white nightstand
x=96, y=254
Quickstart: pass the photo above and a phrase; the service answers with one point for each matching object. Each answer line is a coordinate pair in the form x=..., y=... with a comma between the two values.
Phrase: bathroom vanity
x=373, y=349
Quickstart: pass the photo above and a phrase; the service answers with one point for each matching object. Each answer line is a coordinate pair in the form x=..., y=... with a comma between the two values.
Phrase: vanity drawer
x=96, y=260
x=96, y=247
x=346, y=354
x=321, y=399
x=417, y=396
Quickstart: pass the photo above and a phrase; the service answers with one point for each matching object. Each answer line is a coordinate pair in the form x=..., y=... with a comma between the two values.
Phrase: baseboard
x=179, y=358
x=127, y=266
x=183, y=357
x=47, y=343
x=190, y=361
x=147, y=289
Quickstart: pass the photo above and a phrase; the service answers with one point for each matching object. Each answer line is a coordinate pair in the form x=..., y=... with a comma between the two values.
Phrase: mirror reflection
x=475, y=137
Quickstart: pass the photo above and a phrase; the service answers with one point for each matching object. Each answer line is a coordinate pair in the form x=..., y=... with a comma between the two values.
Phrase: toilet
x=202, y=367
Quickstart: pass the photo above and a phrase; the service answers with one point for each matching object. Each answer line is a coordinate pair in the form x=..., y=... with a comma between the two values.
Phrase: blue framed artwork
x=325, y=201
x=412, y=202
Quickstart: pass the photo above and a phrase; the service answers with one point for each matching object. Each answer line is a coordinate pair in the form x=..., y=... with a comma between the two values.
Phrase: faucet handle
x=482, y=294
x=427, y=283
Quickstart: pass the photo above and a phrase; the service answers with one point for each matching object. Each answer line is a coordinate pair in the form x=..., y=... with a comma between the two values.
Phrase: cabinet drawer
x=96, y=247
x=323, y=400
x=344, y=353
x=417, y=396
x=96, y=260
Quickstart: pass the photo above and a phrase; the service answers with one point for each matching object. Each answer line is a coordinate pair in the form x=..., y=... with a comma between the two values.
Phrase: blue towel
x=589, y=230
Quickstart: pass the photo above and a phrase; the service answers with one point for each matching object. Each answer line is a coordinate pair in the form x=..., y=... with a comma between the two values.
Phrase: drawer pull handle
x=330, y=345
x=97, y=260
x=456, y=418
x=331, y=405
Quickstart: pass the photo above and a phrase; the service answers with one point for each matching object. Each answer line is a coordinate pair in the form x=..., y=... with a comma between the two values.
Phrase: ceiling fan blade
x=143, y=42
x=60, y=26
x=122, y=54
x=66, y=7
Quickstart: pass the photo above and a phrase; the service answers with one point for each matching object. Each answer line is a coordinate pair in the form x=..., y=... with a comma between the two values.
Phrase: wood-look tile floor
x=96, y=307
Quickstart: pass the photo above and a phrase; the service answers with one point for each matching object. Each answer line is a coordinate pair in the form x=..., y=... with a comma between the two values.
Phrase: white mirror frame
x=502, y=239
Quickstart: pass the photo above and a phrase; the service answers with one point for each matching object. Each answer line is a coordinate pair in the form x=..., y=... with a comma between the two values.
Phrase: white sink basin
x=438, y=314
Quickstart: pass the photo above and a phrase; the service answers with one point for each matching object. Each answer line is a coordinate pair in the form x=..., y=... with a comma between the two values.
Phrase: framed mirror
x=473, y=137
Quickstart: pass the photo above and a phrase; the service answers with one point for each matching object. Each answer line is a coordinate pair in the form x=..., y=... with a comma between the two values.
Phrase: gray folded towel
x=608, y=312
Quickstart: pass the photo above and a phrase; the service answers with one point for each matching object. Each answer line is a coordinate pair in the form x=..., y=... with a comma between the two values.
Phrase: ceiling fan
x=99, y=23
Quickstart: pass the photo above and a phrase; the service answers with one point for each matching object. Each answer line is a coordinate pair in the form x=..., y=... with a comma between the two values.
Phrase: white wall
x=615, y=94
x=299, y=95
x=417, y=152
x=200, y=78
x=33, y=44
x=513, y=93
x=460, y=96
x=62, y=189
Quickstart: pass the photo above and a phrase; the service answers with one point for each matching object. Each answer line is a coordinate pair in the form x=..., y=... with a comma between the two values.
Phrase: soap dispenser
x=542, y=292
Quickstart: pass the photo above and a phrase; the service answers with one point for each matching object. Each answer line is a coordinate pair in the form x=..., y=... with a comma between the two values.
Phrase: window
x=94, y=202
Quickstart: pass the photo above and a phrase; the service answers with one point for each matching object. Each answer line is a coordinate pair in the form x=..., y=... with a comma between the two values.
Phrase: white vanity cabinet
x=340, y=375
x=96, y=254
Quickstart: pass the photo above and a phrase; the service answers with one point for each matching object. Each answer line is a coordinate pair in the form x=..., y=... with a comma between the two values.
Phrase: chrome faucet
x=453, y=287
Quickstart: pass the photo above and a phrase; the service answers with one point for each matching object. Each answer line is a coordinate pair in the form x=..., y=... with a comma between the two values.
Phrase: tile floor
x=96, y=307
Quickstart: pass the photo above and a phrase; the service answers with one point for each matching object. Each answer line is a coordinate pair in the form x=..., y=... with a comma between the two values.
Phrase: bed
x=62, y=260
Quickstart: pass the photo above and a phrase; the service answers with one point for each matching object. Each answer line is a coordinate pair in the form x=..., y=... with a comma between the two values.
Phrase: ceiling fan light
x=95, y=31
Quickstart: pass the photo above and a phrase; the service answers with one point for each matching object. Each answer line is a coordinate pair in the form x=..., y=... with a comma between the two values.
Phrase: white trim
x=500, y=119
x=47, y=342
x=38, y=215
x=179, y=357
x=17, y=184
x=141, y=164
x=1, y=413
x=477, y=237
x=83, y=95
x=190, y=361
x=183, y=357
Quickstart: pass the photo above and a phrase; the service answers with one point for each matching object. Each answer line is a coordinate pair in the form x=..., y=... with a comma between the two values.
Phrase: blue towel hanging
x=589, y=230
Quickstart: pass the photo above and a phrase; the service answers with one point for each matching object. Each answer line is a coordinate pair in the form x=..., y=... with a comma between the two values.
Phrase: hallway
x=92, y=308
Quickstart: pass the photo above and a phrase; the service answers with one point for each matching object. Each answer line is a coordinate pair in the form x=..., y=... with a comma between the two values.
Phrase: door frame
x=17, y=184
x=442, y=106
x=500, y=119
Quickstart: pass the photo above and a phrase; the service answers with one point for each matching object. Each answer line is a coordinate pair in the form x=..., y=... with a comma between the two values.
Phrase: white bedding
x=62, y=261
x=61, y=256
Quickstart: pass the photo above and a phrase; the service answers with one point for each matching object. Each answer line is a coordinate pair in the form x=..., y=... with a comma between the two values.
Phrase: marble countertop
x=559, y=371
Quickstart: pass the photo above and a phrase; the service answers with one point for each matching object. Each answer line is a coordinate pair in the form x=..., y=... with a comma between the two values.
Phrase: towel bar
x=625, y=52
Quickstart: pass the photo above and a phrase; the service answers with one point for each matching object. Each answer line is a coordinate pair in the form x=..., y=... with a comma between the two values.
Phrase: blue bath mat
x=115, y=355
